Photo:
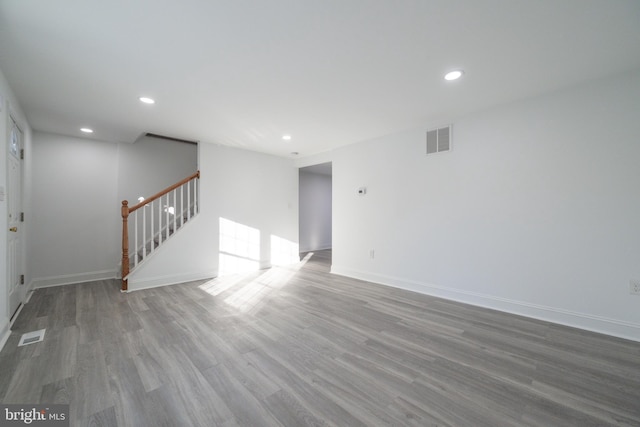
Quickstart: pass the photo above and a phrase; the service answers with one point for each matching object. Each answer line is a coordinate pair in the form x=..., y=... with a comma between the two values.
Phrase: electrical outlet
x=372, y=253
x=634, y=287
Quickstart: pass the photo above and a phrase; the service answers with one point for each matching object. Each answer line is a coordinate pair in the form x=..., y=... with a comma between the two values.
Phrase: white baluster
x=144, y=232
x=195, y=196
x=152, y=231
x=166, y=233
x=188, y=200
x=181, y=205
x=159, y=233
x=135, y=238
x=175, y=210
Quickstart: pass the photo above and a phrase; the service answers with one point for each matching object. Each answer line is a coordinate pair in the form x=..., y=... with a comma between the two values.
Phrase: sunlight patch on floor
x=251, y=295
x=220, y=284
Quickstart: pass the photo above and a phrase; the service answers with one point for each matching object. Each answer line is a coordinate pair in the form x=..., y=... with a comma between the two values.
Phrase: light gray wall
x=315, y=211
x=75, y=210
x=251, y=189
x=536, y=210
x=78, y=188
x=152, y=164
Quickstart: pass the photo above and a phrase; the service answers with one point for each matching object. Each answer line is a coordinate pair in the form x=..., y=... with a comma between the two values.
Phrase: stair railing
x=155, y=219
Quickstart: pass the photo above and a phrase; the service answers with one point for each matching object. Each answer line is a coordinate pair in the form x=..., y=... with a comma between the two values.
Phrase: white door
x=14, y=206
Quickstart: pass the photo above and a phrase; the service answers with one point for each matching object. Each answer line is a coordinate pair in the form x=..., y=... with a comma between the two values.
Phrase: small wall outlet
x=372, y=253
x=634, y=286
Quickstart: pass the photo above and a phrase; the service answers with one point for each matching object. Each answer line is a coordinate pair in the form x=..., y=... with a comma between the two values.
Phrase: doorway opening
x=315, y=210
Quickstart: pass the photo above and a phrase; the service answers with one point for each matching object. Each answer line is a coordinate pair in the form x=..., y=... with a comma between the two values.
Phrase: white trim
x=263, y=265
x=321, y=248
x=603, y=325
x=71, y=279
x=155, y=282
x=15, y=315
x=5, y=333
x=30, y=291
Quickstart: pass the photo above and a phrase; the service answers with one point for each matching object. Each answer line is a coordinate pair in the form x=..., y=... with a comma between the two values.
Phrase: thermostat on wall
x=362, y=191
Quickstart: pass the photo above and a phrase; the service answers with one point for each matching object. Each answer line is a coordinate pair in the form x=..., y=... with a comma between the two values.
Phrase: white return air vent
x=439, y=140
x=31, y=337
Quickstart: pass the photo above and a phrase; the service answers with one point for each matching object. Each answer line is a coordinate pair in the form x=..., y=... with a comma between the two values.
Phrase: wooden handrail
x=163, y=192
x=126, y=210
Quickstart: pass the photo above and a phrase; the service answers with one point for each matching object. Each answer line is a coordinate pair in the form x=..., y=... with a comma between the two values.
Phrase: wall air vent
x=439, y=140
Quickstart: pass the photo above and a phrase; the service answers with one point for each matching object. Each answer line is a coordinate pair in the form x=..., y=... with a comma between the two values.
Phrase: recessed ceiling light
x=286, y=137
x=146, y=100
x=86, y=130
x=453, y=75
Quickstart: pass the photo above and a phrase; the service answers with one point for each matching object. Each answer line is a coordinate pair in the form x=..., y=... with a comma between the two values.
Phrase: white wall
x=315, y=211
x=536, y=210
x=9, y=107
x=78, y=186
x=252, y=189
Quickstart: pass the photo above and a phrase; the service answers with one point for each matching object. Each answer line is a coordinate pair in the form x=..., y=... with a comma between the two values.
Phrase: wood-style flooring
x=298, y=346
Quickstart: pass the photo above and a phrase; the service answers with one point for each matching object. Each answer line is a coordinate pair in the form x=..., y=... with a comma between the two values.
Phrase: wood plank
x=246, y=407
x=92, y=392
x=299, y=346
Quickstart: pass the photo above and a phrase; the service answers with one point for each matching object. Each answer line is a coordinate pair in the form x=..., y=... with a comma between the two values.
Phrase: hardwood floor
x=299, y=346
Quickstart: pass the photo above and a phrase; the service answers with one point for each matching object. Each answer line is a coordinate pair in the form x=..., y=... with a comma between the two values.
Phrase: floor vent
x=31, y=337
x=439, y=140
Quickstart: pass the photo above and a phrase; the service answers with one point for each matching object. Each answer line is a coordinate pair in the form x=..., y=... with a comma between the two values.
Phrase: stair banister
x=125, y=244
x=126, y=211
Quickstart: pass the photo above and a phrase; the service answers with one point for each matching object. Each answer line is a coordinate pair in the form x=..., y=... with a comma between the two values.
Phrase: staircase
x=151, y=222
x=159, y=238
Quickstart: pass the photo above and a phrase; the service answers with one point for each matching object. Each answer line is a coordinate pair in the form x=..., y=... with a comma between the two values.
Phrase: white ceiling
x=328, y=72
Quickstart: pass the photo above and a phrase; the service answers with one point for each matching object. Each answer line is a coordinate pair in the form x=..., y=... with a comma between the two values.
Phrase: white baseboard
x=320, y=248
x=69, y=279
x=154, y=282
x=261, y=265
x=5, y=332
x=29, y=291
x=603, y=325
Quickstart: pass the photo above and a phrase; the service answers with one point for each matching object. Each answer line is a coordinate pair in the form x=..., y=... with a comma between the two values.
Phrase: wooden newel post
x=125, y=243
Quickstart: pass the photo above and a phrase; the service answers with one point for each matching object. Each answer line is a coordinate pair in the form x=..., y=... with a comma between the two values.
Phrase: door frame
x=13, y=311
x=323, y=169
